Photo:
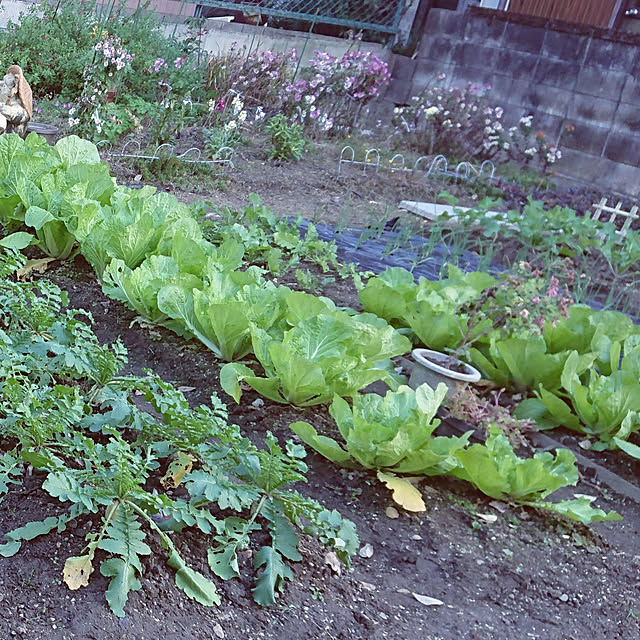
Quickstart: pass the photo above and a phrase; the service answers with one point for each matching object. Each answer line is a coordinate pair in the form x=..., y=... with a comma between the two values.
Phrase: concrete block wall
x=562, y=75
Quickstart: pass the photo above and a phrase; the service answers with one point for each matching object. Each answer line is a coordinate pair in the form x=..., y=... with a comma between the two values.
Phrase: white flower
x=237, y=105
x=242, y=116
x=72, y=111
x=259, y=114
x=231, y=126
x=431, y=111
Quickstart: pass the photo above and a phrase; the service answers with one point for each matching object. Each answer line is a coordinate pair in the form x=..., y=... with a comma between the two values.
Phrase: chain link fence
x=374, y=15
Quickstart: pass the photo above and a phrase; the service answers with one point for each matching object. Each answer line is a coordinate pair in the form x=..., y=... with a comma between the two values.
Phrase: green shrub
x=52, y=44
x=287, y=140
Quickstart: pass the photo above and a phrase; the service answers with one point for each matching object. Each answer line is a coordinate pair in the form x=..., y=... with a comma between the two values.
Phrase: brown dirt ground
x=527, y=575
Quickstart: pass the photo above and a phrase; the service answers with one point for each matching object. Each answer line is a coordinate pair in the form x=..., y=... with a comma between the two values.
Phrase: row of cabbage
x=580, y=370
x=148, y=251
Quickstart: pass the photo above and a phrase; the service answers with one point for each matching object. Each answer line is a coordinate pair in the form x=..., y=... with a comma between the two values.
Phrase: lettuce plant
x=498, y=472
x=139, y=288
x=432, y=310
x=223, y=313
x=391, y=433
x=323, y=354
x=522, y=364
x=601, y=406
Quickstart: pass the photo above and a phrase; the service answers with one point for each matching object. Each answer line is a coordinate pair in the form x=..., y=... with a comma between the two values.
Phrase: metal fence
x=374, y=15
x=596, y=13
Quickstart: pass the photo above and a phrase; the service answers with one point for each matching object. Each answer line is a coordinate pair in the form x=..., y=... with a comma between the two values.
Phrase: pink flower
x=524, y=314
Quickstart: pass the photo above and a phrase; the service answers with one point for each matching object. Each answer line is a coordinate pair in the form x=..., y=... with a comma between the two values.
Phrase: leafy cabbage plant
x=138, y=288
x=432, y=310
x=497, y=471
x=523, y=364
x=41, y=184
x=322, y=355
x=223, y=314
x=605, y=407
x=391, y=433
x=130, y=228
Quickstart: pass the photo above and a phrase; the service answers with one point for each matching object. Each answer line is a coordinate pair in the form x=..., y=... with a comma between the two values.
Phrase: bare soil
x=526, y=575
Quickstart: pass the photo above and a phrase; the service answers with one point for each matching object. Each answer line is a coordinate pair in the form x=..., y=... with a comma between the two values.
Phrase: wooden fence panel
x=596, y=12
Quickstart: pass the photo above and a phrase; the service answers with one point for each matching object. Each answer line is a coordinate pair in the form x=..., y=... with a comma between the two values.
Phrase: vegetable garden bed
x=494, y=569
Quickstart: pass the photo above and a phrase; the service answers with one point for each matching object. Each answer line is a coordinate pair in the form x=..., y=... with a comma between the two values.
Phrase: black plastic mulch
x=376, y=251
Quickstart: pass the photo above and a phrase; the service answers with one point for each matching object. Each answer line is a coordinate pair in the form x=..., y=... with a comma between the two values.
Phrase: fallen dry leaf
x=487, y=517
x=498, y=506
x=426, y=600
x=366, y=551
x=367, y=586
x=38, y=265
x=332, y=560
x=404, y=493
x=186, y=389
x=392, y=512
x=76, y=572
x=217, y=630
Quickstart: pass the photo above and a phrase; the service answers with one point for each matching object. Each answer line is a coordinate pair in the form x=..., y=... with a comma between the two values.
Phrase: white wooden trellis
x=629, y=216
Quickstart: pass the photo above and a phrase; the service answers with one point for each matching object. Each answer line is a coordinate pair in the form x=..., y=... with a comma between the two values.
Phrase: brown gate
x=596, y=12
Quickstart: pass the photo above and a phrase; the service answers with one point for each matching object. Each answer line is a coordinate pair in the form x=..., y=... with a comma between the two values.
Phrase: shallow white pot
x=429, y=368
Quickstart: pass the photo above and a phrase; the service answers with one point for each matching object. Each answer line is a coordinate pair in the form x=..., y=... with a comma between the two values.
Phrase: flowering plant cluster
x=113, y=55
x=101, y=80
x=520, y=304
x=226, y=118
x=159, y=64
x=452, y=121
x=461, y=123
x=331, y=95
x=328, y=96
x=526, y=147
x=259, y=76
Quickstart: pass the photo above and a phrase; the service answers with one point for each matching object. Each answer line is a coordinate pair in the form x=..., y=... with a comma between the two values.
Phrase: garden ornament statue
x=16, y=102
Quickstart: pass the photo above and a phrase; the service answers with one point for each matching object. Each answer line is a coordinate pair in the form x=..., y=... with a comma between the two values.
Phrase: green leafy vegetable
x=497, y=471
x=394, y=433
x=328, y=353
